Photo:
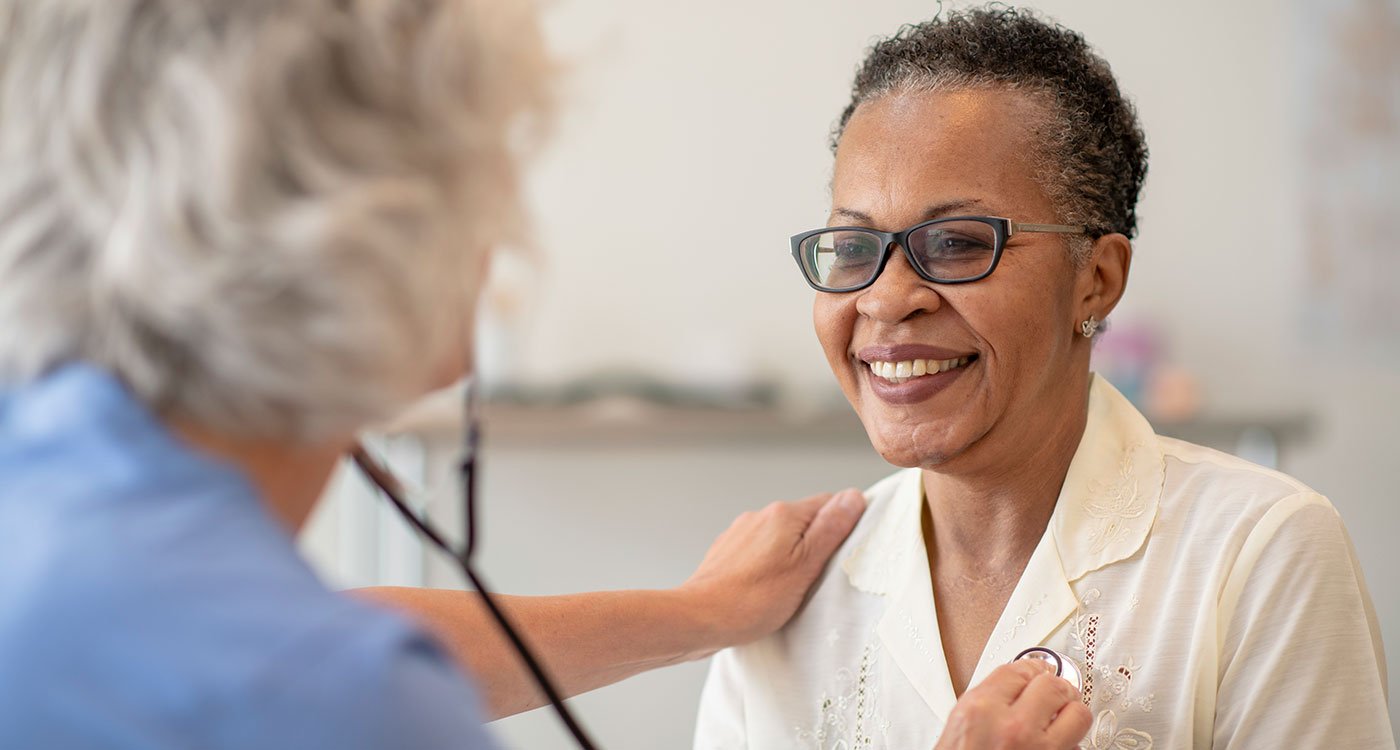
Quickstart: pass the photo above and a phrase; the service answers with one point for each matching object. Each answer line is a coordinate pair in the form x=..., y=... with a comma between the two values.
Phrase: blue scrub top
x=147, y=600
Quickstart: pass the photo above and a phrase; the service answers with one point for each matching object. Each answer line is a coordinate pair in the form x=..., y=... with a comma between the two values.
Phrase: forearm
x=752, y=580
x=584, y=641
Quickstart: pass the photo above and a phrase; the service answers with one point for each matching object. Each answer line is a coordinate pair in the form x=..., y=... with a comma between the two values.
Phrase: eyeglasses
x=954, y=250
x=394, y=491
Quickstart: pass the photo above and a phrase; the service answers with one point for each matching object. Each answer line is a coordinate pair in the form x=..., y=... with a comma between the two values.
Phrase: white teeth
x=899, y=372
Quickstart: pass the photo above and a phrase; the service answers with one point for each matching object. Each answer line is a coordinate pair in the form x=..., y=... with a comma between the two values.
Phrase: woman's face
x=910, y=157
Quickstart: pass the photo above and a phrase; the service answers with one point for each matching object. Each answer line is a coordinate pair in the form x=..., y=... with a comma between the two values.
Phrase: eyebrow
x=934, y=211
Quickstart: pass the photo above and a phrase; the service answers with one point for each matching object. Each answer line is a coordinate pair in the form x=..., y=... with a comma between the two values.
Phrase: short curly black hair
x=1094, y=158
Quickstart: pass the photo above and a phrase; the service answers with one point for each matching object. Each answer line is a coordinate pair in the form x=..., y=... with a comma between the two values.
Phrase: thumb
x=832, y=524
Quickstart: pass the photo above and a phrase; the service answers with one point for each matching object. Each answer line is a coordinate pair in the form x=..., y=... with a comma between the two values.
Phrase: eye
x=856, y=248
x=947, y=243
x=842, y=257
x=955, y=249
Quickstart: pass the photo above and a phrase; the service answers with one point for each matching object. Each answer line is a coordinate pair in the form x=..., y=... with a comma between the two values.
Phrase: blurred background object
x=654, y=373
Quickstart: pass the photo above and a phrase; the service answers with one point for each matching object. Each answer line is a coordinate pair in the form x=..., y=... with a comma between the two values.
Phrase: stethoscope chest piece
x=1064, y=666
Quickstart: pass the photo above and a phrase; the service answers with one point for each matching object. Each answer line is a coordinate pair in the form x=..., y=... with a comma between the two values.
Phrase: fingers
x=834, y=520
x=1007, y=682
x=808, y=507
x=1021, y=704
x=1070, y=726
x=1045, y=696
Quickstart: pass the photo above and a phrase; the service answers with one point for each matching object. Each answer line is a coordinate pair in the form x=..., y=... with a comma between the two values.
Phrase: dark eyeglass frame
x=1003, y=229
x=393, y=490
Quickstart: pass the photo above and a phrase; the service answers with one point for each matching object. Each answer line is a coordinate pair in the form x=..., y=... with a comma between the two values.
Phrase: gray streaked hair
x=266, y=216
x=1090, y=155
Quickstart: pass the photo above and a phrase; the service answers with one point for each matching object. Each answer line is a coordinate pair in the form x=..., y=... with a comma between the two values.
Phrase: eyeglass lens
x=947, y=251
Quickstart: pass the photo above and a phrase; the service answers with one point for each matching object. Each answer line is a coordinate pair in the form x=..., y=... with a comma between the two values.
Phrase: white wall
x=698, y=131
x=693, y=129
x=715, y=115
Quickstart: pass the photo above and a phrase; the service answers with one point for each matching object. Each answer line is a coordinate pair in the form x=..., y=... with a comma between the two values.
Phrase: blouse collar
x=1105, y=509
x=1103, y=514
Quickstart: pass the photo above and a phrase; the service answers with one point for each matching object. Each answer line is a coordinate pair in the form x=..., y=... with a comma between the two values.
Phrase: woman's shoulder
x=1223, y=488
x=1229, y=510
x=874, y=557
x=1212, y=464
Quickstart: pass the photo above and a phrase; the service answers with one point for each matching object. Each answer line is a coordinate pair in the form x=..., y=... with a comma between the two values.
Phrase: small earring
x=1088, y=327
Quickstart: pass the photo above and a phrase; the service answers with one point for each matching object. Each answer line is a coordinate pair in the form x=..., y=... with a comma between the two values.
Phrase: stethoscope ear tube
x=1064, y=666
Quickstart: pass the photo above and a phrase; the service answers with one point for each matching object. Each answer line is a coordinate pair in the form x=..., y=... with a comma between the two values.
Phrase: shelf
x=631, y=423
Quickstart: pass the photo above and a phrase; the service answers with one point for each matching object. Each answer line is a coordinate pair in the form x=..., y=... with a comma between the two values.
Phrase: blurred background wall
x=655, y=373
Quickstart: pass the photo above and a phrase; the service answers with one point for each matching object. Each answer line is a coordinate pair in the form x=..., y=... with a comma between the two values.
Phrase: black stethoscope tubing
x=392, y=490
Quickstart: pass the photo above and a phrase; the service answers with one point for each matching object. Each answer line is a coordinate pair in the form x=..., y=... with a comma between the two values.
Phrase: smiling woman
x=983, y=205
x=971, y=150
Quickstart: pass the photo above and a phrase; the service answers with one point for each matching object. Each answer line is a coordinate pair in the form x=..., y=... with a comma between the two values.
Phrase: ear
x=1104, y=278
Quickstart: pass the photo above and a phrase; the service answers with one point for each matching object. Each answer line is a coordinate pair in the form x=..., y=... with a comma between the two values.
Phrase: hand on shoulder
x=759, y=570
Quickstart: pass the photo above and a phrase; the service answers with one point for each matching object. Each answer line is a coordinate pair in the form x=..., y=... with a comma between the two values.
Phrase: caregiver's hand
x=758, y=571
x=1020, y=706
x=749, y=584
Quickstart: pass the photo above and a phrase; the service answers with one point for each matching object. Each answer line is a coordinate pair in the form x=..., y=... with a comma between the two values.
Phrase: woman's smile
x=911, y=373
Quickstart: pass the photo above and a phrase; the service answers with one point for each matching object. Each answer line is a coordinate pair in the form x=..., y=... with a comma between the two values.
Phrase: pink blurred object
x=1132, y=356
x=1173, y=395
x=1126, y=355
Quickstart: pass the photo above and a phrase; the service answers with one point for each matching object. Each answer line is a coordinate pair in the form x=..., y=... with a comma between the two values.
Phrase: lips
x=910, y=373
x=902, y=352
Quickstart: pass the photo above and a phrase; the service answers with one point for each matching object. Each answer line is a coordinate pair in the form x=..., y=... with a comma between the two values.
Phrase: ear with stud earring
x=1088, y=327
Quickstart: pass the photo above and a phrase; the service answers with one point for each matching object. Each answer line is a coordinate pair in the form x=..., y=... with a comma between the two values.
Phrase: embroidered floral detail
x=916, y=636
x=1115, y=683
x=1016, y=625
x=1114, y=503
x=859, y=737
x=1084, y=637
x=1105, y=734
x=850, y=719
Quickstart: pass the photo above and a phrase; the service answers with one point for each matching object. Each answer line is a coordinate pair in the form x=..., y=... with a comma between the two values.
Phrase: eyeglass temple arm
x=1055, y=228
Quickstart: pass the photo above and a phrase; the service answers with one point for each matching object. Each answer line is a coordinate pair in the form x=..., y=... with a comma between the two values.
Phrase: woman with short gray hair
x=232, y=235
x=983, y=202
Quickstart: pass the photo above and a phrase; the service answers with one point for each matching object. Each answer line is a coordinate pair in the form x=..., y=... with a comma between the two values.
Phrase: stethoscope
x=1064, y=666
x=394, y=491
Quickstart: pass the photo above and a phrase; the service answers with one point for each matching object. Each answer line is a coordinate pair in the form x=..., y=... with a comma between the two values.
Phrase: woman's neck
x=289, y=477
x=989, y=521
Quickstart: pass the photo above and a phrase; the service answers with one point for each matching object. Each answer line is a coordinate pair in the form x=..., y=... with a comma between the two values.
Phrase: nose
x=898, y=294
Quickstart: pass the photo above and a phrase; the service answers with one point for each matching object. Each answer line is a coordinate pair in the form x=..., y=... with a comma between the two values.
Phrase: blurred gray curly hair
x=264, y=215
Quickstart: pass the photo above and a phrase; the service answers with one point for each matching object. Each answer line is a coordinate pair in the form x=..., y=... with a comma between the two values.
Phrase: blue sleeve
x=361, y=686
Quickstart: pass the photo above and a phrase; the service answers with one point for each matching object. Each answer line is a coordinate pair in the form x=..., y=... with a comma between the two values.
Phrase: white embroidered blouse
x=1209, y=603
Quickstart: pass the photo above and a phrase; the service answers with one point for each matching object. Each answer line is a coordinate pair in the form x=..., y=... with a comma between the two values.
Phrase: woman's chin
x=905, y=449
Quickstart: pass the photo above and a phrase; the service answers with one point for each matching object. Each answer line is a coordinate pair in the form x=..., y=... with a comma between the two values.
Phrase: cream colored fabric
x=1211, y=604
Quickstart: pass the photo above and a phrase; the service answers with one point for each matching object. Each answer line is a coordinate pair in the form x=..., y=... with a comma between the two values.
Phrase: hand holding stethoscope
x=1063, y=665
x=1031, y=703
